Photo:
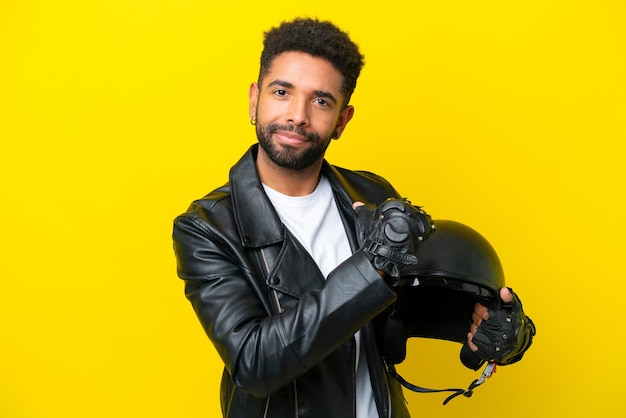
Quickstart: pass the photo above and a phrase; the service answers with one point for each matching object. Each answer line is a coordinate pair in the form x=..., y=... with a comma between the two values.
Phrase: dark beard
x=287, y=156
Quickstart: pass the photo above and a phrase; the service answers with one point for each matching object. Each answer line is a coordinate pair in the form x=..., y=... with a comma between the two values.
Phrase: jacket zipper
x=388, y=401
x=388, y=388
x=267, y=407
x=280, y=309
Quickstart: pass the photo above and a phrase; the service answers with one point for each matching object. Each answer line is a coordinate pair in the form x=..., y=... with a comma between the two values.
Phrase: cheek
x=269, y=111
x=329, y=125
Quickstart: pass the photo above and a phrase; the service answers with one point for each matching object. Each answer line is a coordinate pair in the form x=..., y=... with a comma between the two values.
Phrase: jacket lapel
x=257, y=221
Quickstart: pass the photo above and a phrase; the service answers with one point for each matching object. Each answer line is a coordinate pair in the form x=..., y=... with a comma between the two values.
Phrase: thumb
x=506, y=295
x=364, y=212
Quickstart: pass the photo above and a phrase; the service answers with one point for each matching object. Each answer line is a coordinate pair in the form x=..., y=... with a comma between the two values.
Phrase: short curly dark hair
x=320, y=39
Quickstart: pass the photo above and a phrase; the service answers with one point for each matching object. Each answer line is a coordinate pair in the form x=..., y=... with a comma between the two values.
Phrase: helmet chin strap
x=490, y=368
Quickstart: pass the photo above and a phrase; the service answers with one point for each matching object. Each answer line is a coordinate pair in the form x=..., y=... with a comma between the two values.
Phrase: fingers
x=474, y=328
x=480, y=313
x=470, y=344
x=506, y=295
x=357, y=204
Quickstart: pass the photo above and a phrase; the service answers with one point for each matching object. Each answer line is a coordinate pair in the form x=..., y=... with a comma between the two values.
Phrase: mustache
x=299, y=130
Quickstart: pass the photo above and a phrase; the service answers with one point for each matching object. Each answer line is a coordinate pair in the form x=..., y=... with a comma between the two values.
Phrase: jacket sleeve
x=263, y=351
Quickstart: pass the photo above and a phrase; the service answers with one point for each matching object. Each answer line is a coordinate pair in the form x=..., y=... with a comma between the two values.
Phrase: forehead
x=303, y=70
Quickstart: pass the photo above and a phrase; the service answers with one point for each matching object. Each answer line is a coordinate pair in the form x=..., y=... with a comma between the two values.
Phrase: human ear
x=253, y=95
x=344, y=117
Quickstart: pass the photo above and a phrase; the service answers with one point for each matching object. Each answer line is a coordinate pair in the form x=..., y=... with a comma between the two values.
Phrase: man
x=283, y=274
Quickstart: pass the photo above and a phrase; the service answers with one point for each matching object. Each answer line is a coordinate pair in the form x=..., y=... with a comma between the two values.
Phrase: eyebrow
x=318, y=93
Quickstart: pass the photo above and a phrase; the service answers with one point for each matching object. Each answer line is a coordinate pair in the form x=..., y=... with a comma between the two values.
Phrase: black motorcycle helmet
x=456, y=268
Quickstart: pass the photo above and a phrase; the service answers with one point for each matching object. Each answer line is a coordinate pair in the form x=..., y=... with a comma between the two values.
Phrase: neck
x=286, y=181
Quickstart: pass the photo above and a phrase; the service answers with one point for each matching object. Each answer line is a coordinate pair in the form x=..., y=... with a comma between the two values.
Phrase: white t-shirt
x=314, y=220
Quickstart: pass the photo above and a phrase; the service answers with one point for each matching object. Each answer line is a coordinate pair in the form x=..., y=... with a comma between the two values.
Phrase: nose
x=298, y=112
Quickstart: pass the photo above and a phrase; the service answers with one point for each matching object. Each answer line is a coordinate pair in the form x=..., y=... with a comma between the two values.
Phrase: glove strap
x=390, y=254
x=487, y=372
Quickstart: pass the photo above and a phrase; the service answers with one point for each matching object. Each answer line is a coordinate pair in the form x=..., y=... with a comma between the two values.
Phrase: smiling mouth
x=290, y=137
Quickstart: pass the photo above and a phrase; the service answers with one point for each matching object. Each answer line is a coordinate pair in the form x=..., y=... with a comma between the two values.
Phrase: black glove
x=391, y=233
x=503, y=338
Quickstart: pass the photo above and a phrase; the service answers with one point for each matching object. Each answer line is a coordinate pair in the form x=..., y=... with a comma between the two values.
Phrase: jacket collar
x=258, y=223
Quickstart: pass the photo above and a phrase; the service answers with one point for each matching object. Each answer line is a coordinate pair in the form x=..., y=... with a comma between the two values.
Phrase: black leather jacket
x=285, y=333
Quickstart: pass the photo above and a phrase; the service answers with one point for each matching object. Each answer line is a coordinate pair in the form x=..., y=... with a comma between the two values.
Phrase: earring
x=252, y=121
x=335, y=135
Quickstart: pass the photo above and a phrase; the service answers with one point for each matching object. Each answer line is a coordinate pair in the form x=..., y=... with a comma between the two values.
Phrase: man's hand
x=482, y=313
x=502, y=336
x=391, y=232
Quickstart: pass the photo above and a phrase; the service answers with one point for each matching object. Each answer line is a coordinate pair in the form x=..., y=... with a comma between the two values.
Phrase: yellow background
x=114, y=115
